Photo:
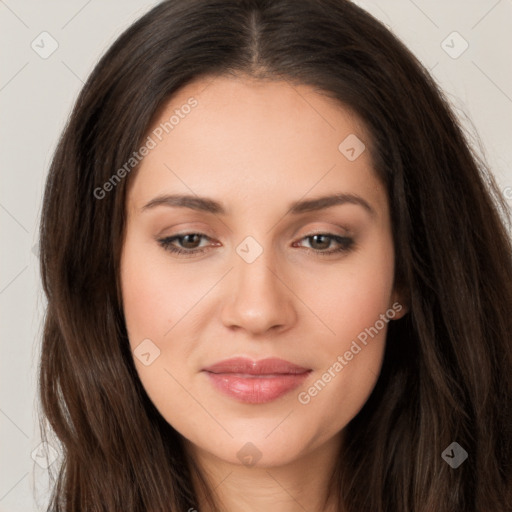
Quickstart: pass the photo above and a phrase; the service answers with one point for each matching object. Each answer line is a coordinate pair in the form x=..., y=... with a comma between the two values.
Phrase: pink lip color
x=255, y=382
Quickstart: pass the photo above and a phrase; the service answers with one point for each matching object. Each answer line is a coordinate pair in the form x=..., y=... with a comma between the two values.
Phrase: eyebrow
x=206, y=204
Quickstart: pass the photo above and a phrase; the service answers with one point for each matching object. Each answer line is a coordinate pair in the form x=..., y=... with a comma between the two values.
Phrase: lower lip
x=256, y=389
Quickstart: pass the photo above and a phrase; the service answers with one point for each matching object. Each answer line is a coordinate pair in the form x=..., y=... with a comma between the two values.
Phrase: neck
x=302, y=484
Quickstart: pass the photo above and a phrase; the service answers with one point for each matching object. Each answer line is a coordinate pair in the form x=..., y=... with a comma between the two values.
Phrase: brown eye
x=320, y=243
x=188, y=243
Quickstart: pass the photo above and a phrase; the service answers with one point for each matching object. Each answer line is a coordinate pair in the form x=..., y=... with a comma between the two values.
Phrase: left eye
x=323, y=241
x=189, y=241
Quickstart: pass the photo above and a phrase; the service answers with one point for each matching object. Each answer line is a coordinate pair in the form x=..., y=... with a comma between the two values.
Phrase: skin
x=257, y=146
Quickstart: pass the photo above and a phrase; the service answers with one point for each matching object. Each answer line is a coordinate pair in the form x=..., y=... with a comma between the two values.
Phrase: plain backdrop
x=467, y=45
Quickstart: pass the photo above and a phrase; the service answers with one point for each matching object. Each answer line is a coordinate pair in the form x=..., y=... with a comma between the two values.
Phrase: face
x=257, y=311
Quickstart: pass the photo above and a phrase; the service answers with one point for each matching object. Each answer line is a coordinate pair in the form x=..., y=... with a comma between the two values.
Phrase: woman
x=277, y=276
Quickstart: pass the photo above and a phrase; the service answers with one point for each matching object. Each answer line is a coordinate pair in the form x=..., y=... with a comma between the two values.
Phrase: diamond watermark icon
x=44, y=45
x=351, y=147
x=146, y=352
x=249, y=249
x=44, y=455
x=454, y=455
x=454, y=45
x=249, y=454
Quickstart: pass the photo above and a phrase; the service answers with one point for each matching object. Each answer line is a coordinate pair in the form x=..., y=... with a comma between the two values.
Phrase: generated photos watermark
x=305, y=397
x=151, y=142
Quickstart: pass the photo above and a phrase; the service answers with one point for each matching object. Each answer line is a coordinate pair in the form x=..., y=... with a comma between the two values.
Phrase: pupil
x=324, y=245
x=187, y=241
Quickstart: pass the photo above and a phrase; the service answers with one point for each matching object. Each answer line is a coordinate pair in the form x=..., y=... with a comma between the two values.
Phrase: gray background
x=36, y=96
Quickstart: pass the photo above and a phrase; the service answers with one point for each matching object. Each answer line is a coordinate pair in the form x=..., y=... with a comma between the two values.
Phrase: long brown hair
x=447, y=373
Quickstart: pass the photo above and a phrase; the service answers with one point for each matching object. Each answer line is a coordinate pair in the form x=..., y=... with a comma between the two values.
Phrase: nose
x=262, y=298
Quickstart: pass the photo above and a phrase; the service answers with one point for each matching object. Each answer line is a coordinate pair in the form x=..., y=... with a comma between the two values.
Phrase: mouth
x=255, y=382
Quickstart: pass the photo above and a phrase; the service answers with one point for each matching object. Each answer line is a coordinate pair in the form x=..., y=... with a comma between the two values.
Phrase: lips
x=255, y=382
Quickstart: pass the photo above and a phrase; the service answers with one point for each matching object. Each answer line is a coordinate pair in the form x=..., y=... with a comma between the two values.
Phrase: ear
x=399, y=303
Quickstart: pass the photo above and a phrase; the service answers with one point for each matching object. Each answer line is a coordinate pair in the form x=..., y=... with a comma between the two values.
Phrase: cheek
x=351, y=296
x=351, y=303
x=154, y=295
x=155, y=299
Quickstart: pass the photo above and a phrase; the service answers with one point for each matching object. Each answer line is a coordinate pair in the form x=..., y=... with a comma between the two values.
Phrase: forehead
x=248, y=138
x=261, y=104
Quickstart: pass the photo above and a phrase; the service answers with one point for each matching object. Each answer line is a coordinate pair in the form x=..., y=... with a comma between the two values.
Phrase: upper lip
x=270, y=366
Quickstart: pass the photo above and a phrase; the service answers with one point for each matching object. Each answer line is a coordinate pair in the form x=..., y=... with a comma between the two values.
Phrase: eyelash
x=346, y=244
